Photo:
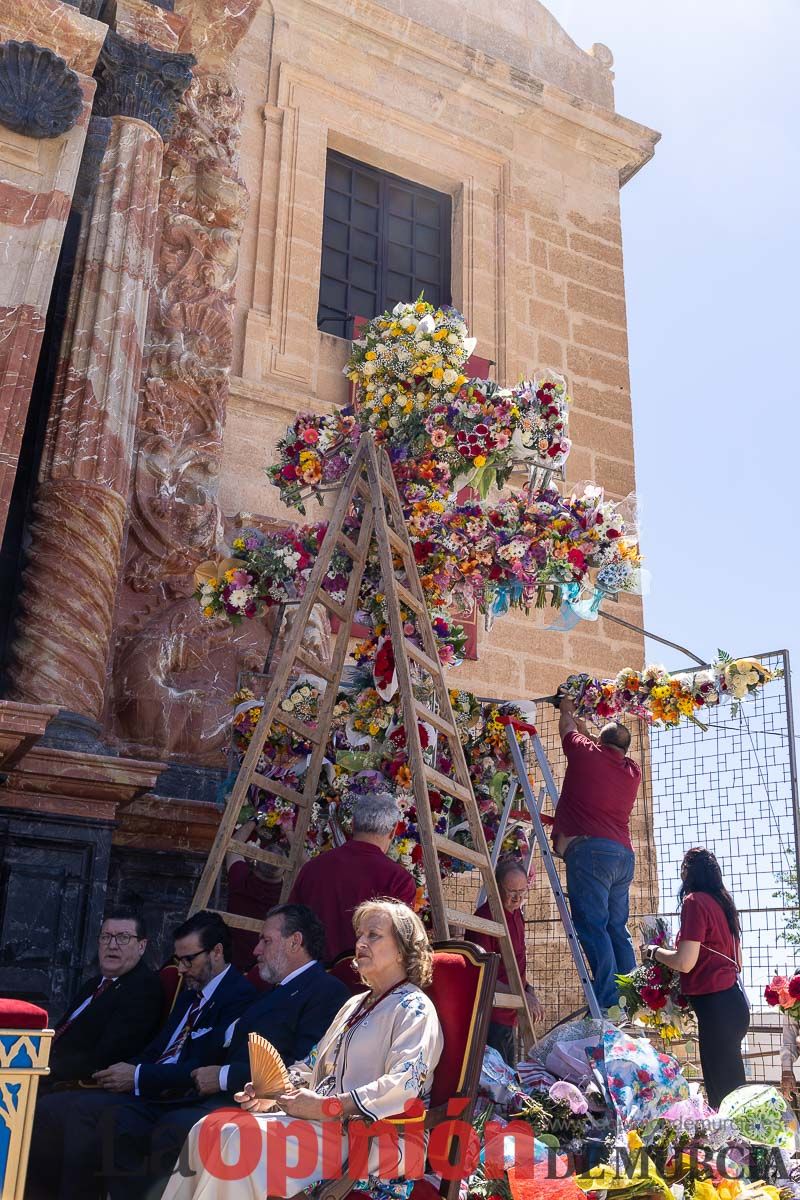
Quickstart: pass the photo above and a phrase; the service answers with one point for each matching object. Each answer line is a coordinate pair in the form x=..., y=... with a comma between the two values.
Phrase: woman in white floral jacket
x=378, y=1054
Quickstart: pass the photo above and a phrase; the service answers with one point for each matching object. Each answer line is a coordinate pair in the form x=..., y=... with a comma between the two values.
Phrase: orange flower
x=403, y=776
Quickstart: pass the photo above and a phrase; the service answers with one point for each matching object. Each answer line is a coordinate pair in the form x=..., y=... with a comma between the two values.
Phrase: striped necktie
x=102, y=986
x=176, y=1045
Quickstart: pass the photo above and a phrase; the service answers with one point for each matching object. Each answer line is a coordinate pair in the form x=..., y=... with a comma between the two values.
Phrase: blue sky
x=710, y=232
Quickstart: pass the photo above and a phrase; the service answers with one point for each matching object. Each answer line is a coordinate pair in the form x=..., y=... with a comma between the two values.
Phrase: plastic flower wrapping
x=651, y=994
x=760, y=1114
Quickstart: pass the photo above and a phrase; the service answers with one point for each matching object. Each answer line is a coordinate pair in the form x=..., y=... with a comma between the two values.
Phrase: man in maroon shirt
x=512, y=883
x=591, y=832
x=334, y=883
x=253, y=889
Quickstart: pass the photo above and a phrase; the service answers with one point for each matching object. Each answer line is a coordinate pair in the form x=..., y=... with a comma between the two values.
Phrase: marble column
x=70, y=581
x=48, y=51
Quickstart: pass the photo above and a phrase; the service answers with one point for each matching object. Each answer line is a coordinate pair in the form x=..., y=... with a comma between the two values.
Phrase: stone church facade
x=195, y=202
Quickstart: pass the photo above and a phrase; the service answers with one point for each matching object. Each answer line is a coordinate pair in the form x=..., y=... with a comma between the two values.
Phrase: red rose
x=794, y=987
x=416, y=853
x=289, y=472
x=771, y=996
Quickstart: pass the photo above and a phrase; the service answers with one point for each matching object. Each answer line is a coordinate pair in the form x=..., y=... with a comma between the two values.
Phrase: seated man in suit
x=293, y=1016
x=334, y=883
x=68, y=1128
x=115, y=1013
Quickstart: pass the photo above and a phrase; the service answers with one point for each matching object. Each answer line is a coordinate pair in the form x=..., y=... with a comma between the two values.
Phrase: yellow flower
x=479, y=460
x=634, y=1141
x=437, y=373
x=440, y=335
x=370, y=356
x=238, y=543
x=208, y=612
x=374, y=728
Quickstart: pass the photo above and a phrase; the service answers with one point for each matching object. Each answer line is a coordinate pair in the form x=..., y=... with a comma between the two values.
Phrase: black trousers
x=723, y=1019
x=501, y=1038
x=87, y=1145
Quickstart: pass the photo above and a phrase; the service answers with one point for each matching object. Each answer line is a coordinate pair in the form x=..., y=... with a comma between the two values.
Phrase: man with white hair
x=334, y=883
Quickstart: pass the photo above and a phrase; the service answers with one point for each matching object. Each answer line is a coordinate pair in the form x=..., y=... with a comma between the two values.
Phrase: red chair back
x=171, y=982
x=458, y=989
x=343, y=970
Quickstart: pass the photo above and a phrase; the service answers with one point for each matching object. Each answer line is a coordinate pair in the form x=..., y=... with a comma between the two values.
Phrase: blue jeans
x=599, y=876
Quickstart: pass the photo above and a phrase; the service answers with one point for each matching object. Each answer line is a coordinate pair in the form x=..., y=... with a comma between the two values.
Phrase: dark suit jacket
x=112, y=1029
x=293, y=1017
x=231, y=997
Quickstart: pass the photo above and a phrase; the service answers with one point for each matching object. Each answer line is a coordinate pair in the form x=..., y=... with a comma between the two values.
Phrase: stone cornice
x=66, y=783
x=136, y=80
x=525, y=99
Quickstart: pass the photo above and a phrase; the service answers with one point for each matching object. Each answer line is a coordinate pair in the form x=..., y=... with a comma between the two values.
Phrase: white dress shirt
x=223, y=1071
x=206, y=994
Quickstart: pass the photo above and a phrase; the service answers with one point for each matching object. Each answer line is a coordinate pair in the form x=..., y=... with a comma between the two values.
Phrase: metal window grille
x=384, y=240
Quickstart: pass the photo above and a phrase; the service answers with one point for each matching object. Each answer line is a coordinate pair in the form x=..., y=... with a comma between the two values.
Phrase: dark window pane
x=401, y=231
x=363, y=304
x=428, y=267
x=399, y=258
x=427, y=240
x=338, y=176
x=400, y=287
x=337, y=206
x=334, y=234
x=333, y=294
x=334, y=263
x=401, y=202
x=336, y=323
x=365, y=217
x=364, y=245
x=432, y=292
x=365, y=187
x=364, y=276
x=427, y=211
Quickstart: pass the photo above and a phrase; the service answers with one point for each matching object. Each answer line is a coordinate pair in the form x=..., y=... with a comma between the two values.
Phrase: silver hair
x=375, y=813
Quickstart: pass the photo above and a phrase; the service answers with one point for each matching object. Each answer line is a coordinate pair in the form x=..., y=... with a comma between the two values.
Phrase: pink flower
x=310, y=436
x=439, y=437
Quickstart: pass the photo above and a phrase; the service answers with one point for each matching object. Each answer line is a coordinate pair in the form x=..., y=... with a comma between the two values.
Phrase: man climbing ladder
x=591, y=833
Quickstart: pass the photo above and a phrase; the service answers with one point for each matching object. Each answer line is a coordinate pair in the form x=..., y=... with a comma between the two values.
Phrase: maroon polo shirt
x=598, y=793
x=516, y=929
x=703, y=920
x=335, y=882
x=249, y=896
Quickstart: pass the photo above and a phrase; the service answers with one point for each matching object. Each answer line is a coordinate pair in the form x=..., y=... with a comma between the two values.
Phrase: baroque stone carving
x=174, y=671
x=40, y=96
x=136, y=80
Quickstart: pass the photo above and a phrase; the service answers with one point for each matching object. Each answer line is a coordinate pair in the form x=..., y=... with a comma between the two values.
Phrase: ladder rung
x=332, y=605
x=279, y=789
x=454, y=916
x=248, y=850
x=456, y=850
x=508, y=1000
x=449, y=786
x=238, y=922
x=313, y=663
x=346, y=544
x=424, y=660
x=409, y=599
x=299, y=727
x=386, y=487
x=434, y=719
x=363, y=489
x=397, y=543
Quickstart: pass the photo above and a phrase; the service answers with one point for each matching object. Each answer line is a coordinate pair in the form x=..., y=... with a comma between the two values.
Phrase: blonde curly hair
x=409, y=933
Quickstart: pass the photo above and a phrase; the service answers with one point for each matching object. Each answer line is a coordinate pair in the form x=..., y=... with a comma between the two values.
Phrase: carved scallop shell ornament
x=40, y=96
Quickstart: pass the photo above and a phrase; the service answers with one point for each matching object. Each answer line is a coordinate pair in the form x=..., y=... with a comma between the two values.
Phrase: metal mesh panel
x=732, y=788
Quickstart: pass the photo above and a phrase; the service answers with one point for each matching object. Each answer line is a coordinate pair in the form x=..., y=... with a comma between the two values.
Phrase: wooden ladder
x=369, y=497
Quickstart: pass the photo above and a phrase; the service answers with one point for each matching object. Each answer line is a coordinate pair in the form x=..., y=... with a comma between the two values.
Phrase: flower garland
x=663, y=699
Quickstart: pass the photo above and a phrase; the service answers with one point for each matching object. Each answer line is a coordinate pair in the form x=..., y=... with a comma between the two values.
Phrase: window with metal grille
x=384, y=240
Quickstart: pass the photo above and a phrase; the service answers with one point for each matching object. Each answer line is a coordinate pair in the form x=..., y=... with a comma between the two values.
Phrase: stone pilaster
x=47, y=54
x=70, y=582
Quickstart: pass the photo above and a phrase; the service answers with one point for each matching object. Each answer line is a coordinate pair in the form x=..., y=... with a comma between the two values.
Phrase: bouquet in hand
x=784, y=993
x=651, y=995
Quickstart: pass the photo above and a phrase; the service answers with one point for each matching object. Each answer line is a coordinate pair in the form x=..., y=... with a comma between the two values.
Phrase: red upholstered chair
x=171, y=984
x=342, y=968
x=19, y=1014
x=462, y=989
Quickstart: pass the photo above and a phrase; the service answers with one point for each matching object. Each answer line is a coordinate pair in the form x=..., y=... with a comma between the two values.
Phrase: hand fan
x=269, y=1075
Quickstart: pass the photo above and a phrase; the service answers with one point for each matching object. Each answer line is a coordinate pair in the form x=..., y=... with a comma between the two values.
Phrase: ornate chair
x=462, y=989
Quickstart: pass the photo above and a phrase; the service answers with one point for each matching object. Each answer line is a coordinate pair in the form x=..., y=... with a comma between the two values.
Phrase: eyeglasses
x=122, y=939
x=519, y=894
x=186, y=960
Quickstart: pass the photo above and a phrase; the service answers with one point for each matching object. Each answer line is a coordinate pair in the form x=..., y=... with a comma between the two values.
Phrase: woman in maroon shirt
x=708, y=956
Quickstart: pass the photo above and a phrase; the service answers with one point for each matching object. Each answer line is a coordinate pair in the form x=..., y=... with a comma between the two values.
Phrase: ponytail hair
x=703, y=875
